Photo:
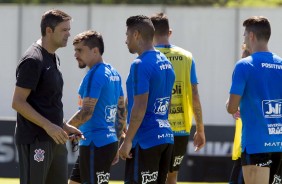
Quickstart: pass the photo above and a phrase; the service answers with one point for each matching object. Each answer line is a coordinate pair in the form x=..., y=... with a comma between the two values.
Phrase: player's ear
x=49, y=30
x=96, y=50
x=169, y=32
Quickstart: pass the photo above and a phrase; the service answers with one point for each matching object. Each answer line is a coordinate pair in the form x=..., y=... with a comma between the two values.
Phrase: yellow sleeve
x=236, y=151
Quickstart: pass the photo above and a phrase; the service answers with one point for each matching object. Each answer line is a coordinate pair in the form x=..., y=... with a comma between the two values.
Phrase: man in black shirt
x=40, y=132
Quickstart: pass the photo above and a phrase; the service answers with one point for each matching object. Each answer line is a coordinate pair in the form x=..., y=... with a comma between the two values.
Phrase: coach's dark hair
x=143, y=25
x=51, y=19
x=90, y=39
x=161, y=24
x=260, y=26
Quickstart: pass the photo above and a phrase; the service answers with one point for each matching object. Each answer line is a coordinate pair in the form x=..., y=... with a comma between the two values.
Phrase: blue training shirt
x=151, y=73
x=102, y=82
x=258, y=80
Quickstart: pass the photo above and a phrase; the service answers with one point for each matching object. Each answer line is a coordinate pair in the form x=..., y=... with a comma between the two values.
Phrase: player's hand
x=73, y=132
x=199, y=140
x=124, y=150
x=56, y=133
x=237, y=115
x=116, y=159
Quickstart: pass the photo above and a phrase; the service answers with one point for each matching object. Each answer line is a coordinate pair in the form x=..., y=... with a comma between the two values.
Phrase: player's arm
x=137, y=114
x=232, y=104
x=199, y=137
x=85, y=113
x=120, y=118
x=21, y=105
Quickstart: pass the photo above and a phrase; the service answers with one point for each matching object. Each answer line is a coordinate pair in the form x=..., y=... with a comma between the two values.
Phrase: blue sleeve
x=121, y=90
x=239, y=78
x=193, y=74
x=141, y=77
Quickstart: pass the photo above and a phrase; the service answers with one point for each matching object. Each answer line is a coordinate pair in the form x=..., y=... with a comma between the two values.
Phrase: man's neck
x=145, y=47
x=46, y=45
x=161, y=40
x=260, y=47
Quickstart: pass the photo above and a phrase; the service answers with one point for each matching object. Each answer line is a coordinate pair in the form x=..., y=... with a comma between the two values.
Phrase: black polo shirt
x=38, y=71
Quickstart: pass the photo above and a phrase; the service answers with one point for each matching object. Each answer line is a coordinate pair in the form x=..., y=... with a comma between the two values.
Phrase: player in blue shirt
x=101, y=111
x=148, y=144
x=256, y=88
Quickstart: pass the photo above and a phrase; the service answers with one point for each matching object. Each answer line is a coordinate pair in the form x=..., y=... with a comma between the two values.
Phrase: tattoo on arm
x=85, y=113
x=197, y=108
x=120, y=117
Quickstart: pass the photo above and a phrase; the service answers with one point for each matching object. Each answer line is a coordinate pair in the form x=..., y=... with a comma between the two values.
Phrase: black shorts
x=94, y=163
x=148, y=165
x=258, y=159
x=43, y=163
x=237, y=173
x=178, y=153
x=271, y=160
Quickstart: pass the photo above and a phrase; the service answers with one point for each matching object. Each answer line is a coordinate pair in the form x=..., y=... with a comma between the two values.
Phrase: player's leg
x=256, y=167
x=143, y=167
x=103, y=159
x=95, y=162
x=58, y=171
x=236, y=176
x=276, y=169
x=75, y=174
x=34, y=160
x=131, y=173
x=24, y=162
x=164, y=163
x=154, y=164
x=179, y=151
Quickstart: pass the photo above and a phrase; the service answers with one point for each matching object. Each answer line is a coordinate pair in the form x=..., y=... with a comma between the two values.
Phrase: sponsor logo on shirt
x=163, y=123
x=275, y=128
x=103, y=177
x=148, y=177
x=175, y=58
x=175, y=109
x=110, y=113
x=167, y=135
x=272, y=108
x=161, y=105
x=176, y=90
x=114, y=78
x=273, y=144
x=272, y=66
x=165, y=66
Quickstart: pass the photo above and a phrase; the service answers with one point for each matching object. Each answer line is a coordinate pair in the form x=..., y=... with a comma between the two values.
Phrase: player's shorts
x=178, y=153
x=94, y=163
x=258, y=159
x=43, y=163
x=237, y=173
x=148, y=165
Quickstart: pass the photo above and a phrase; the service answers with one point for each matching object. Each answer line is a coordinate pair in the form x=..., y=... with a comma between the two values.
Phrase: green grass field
x=16, y=181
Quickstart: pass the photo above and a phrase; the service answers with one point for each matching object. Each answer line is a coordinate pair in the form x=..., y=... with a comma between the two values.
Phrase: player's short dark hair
x=161, y=24
x=260, y=26
x=90, y=39
x=143, y=25
x=51, y=19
